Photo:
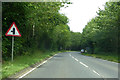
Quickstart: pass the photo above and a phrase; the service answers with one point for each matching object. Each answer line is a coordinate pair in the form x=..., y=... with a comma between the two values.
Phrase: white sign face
x=13, y=31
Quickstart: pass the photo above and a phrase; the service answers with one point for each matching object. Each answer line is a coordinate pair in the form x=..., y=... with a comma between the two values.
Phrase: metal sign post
x=12, y=47
x=13, y=31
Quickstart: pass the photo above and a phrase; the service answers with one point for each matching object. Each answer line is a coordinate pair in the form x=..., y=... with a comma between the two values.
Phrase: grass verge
x=21, y=62
x=106, y=56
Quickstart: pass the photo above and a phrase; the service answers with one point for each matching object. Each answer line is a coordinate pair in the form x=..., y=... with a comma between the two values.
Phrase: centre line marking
x=83, y=64
x=96, y=72
x=72, y=57
x=76, y=59
x=87, y=66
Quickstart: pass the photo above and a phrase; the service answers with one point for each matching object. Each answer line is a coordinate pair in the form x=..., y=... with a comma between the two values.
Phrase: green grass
x=21, y=62
x=106, y=56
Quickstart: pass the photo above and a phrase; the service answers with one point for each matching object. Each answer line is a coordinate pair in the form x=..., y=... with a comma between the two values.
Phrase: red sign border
x=10, y=28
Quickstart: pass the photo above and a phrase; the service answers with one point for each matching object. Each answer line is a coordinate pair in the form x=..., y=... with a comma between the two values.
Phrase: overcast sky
x=81, y=11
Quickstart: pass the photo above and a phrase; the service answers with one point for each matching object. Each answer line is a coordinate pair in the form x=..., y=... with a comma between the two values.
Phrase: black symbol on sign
x=13, y=31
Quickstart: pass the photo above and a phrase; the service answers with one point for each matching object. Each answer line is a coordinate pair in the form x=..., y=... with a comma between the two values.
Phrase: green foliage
x=24, y=61
x=51, y=31
x=106, y=56
x=101, y=33
x=75, y=41
x=61, y=37
x=45, y=18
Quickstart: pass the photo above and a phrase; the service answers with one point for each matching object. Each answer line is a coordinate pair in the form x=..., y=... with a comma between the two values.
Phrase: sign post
x=13, y=31
x=12, y=46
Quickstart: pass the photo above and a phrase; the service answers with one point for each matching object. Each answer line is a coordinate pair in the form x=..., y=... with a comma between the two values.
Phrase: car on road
x=82, y=51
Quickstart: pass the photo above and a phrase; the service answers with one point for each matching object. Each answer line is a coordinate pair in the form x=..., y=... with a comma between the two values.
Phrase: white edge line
x=27, y=73
x=31, y=70
x=34, y=68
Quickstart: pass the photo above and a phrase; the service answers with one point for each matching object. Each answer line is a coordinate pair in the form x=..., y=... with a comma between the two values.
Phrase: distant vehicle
x=82, y=50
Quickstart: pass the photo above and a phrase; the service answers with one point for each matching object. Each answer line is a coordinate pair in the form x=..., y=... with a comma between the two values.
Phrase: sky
x=81, y=12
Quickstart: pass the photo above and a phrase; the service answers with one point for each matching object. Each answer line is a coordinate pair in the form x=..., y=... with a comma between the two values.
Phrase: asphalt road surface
x=75, y=65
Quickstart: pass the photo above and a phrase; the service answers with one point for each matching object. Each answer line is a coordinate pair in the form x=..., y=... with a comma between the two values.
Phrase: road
x=75, y=65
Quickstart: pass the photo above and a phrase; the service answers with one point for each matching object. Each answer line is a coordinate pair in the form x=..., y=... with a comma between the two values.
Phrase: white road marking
x=50, y=57
x=101, y=59
x=76, y=59
x=72, y=57
x=79, y=62
x=96, y=72
x=87, y=66
x=26, y=73
x=55, y=54
x=83, y=64
x=34, y=68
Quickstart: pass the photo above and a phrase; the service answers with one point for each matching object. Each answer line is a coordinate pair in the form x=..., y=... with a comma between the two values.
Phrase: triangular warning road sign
x=13, y=31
